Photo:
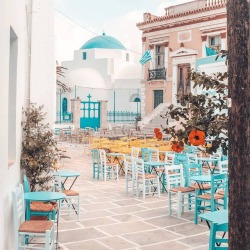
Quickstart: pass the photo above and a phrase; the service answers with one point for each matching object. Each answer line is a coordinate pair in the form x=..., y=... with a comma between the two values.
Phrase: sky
x=77, y=21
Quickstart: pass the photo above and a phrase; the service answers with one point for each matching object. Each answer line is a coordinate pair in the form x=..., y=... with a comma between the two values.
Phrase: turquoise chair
x=24, y=230
x=95, y=163
x=40, y=209
x=146, y=154
x=211, y=201
x=215, y=241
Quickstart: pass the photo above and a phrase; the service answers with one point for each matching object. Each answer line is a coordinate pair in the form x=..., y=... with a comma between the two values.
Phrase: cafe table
x=68, y=174
x=155, y=167
x=216, y=221
x=44, y=196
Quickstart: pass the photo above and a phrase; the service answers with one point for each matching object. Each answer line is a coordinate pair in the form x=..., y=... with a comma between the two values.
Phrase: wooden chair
x=107, y=169
x=38, y=208
x=129, y=173
x=175, y=186
x=72, y=197
x=33, y=228
x=211, y=201
x=145, y=182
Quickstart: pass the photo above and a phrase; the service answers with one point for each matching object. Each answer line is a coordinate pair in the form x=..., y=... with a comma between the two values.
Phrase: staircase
x=154, y=119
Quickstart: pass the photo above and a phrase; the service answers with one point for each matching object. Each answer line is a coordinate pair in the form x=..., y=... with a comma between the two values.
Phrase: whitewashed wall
x=13, y=13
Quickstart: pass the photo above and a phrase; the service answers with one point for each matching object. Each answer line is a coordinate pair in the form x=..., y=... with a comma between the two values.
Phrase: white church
x=102, y=71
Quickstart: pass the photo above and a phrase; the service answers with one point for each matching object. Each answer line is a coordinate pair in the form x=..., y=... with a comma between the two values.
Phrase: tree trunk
x=239, y=124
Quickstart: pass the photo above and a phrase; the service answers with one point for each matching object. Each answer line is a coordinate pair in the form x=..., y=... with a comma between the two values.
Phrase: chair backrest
x=103, y=157
x=135, y=152
x=146, y=154
x=155, y=155
x=192, y=158
x=223, y=166
x=139, y=167
x=192, y=169
x=169, y=157
x=128, y=163
x=174, y=176
x=18, y=207
x=219, y=182
x=26, y=184
x=95, y=155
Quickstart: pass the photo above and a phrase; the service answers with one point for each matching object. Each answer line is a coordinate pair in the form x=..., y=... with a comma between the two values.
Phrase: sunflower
x=196, y=137
x=177, y=146
x=159, y=135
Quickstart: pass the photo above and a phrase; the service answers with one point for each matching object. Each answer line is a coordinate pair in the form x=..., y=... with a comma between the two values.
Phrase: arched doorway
x=65, y=105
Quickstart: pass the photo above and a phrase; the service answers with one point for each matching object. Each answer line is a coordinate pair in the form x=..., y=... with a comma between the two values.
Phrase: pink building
x=177, y=42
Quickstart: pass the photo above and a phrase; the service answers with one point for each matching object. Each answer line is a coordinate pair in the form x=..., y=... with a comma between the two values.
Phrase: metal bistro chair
x=33, y=228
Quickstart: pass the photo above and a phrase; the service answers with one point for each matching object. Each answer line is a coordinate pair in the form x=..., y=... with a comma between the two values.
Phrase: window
x=159, y=56
x=12, y=102
x=215, y=42
x=84, y=55
x=127, y=57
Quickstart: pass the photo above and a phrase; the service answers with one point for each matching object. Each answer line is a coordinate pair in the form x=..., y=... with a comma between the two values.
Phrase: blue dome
x=103, y=42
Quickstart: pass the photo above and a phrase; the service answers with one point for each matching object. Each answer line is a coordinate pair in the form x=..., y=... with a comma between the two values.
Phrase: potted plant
x=39, y=148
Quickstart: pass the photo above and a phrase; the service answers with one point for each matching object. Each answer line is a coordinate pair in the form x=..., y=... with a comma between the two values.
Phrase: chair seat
x=160, y=169
x=182, y=189
x=70, y=192
x=204, y=186
x=208, y=196
x=35, y=226
x=221, y=192
x=148, y=176
x=41, y=207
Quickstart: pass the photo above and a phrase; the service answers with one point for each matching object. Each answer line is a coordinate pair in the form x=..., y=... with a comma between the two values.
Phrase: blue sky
x=117, y=18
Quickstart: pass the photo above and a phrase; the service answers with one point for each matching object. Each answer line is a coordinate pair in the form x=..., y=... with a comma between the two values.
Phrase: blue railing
x=122, y=116
x=64, y=117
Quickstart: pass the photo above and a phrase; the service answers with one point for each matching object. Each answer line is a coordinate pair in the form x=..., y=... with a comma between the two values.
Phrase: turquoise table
x=68, y=174
x=216, y=221
x=41, y=196
x=154, y=165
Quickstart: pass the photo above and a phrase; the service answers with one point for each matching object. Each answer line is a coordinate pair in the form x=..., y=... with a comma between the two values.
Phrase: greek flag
x=146, y=57
x=210, y=51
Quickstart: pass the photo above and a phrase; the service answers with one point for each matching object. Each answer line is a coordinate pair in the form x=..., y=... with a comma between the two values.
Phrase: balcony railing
x=157, y=74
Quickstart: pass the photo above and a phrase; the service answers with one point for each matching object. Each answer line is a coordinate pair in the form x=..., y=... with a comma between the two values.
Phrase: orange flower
x=156, y=130
x=196, y=137
x=159, y=135
x=177, y=146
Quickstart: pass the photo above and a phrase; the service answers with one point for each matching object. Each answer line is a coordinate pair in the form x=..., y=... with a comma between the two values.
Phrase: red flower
x=156, y=130
x=159, y=135
x=196, y=137
x=177, y=146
